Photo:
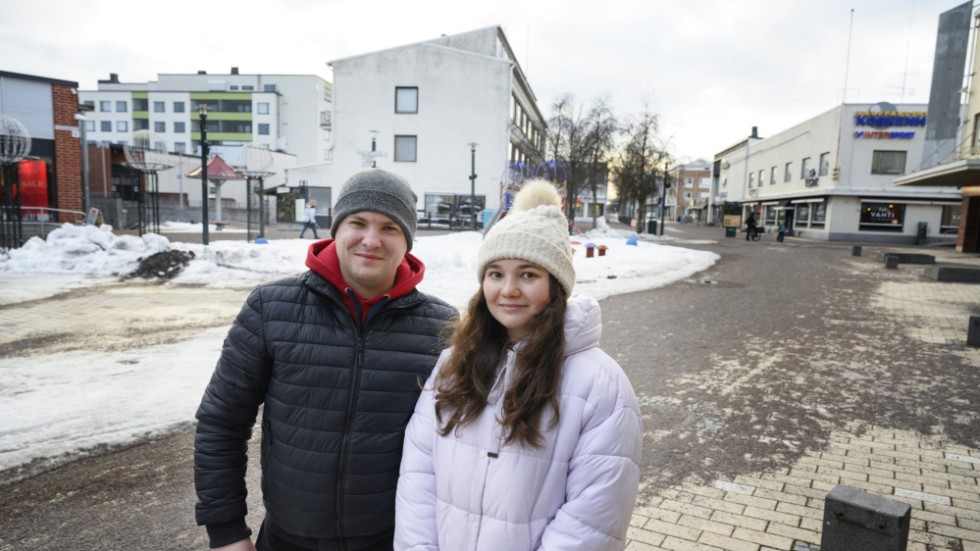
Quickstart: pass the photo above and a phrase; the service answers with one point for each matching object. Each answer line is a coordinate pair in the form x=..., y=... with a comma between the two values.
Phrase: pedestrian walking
x=750, y=225
x=336, y=357
x=309, y=219
x=781, y=232
x=527, y=435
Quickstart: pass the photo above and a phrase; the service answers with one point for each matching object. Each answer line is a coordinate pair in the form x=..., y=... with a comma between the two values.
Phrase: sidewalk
x=783, y=510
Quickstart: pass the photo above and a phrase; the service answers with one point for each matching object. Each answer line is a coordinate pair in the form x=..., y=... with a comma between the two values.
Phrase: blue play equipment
x=511, y=180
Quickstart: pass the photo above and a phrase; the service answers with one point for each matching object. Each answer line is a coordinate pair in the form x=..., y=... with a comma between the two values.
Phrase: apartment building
x=286, y=113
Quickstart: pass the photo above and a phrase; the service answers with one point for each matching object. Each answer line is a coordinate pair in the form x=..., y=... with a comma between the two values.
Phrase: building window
x=158, y=107
x=122, y=126
x=888, y=162
x=263, y=129
x=159, y=127
x=262, y=108
x=178, y=107
x=805, y=168
x=180, y=147
x=122, y=107
x=751, y=178
x=818, y=214
x=105, y=126
x=688, y=182
x=788, y=173
x=140, y=105
x=406, y=149
x=950, y=222
x=180, y=127
x=90, y=126
x=406, y=99
x=824, y=164
x=140, y=124
x=248, y=87
x=772, y=176
x=268, y=87
x=105, y=106
x=882, y=217
x=760, y=179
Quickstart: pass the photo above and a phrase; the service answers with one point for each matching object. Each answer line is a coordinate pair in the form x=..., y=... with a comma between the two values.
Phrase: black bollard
x=853, y=519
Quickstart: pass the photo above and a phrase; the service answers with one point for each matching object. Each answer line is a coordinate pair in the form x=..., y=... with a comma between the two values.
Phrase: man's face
x=370, y=247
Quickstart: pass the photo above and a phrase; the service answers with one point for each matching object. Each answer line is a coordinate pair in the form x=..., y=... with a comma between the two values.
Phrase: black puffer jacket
x=337, y=399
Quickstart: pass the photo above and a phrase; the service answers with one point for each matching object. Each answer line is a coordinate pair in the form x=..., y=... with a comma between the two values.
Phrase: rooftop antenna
x=908, y=42
x=847, y=62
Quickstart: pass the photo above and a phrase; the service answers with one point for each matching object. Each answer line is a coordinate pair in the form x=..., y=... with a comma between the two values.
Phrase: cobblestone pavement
x=833, y=438
x=845, y=373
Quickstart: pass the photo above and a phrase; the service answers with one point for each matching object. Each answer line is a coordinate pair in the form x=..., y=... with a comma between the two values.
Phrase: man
x=751, y=226
x=337, y=356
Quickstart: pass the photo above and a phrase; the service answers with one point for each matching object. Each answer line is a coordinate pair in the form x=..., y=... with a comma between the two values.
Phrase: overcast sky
x=711, y=69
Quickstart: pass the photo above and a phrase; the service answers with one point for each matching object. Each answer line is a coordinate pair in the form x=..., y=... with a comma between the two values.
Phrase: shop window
x=882, y=217
x=818, y=214
x=888, y=162
x=406, y=99
x=950, y=223
x=802, y=218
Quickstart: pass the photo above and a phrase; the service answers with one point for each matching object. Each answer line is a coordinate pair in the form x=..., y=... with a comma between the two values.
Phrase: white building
x=420, y=108
x=832, y=177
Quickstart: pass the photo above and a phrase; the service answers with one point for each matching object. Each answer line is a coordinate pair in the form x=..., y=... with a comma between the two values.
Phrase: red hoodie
x=322, y=258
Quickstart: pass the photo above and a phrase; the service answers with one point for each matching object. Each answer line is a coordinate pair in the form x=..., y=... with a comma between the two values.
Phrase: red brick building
x=47, y=108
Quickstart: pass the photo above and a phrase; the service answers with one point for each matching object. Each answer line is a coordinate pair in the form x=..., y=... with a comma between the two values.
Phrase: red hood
x=322, y=258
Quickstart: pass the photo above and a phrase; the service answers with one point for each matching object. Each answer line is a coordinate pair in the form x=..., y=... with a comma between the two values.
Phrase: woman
x=309, y=219
x=527, y=435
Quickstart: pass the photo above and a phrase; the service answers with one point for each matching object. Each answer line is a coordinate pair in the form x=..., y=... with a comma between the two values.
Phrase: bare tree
x=602, y=127
x=637, y=171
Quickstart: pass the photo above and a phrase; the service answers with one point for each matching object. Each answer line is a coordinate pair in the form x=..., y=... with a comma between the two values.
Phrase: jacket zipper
x=345, y=446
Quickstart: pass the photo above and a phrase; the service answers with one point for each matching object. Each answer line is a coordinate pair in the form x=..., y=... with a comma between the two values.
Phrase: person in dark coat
x=751, y=226
x=336, y=357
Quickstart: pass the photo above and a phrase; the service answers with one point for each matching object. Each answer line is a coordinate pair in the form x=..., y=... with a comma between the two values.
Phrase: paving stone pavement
x=783, y=510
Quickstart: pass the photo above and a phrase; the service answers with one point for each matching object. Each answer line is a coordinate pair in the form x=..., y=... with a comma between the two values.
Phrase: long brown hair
x=479, y=346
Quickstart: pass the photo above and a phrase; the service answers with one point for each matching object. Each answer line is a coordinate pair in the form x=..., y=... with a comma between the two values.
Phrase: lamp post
x=86, y=200
x=663, y=197
x=202, y=110
x=473, y=182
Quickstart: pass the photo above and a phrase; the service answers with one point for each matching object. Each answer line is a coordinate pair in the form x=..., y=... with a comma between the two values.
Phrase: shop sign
x=883, y=135
x=888, y=119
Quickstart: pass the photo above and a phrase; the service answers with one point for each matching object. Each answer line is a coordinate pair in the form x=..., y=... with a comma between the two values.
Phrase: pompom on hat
x=534, y=230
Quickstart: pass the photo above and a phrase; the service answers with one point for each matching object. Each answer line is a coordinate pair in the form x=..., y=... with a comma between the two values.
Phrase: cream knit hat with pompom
x=535, y=230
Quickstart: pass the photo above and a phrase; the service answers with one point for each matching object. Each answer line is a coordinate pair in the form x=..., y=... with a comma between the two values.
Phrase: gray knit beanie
x=378, y=191
x=536, y=230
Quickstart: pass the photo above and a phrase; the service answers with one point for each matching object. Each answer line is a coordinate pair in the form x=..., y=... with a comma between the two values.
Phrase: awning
x=965, y=172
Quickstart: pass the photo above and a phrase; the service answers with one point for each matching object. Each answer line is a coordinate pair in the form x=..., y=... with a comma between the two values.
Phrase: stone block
x=854, y=519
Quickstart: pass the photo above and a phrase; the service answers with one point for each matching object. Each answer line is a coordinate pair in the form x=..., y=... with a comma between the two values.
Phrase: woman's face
x=516, y=291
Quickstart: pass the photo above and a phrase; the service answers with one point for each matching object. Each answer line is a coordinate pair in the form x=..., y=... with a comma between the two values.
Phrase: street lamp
x=202, y=111
x=83, y=136
x=473, y=182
